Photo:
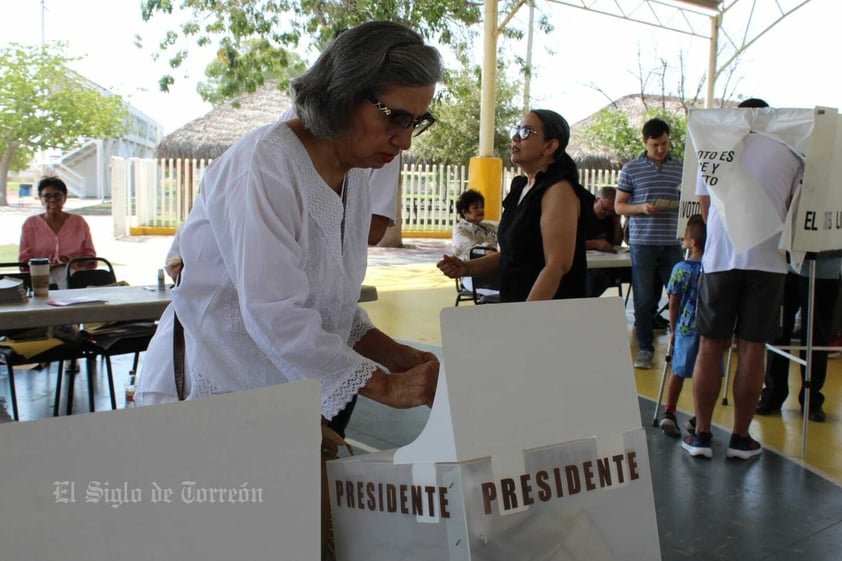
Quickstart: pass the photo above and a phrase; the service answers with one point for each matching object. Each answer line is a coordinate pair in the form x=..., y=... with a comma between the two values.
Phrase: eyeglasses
x=49, y=196
x=400, y=119
x=523, y=132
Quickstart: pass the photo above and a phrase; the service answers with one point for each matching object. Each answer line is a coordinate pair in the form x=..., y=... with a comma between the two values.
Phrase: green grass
x=9, y=252
x=103, y=209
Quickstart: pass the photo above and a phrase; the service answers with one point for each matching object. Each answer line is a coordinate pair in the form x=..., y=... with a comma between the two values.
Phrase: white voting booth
x=815, y=220
x=714, y=147
x=813, y=223
x=217, y=479
x=714, y=153
x=533, y=449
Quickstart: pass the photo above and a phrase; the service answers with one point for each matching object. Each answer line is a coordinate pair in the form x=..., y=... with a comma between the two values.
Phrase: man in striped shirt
x=648, y=193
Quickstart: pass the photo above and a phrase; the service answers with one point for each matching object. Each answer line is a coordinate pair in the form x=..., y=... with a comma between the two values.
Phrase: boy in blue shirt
x=683, y=291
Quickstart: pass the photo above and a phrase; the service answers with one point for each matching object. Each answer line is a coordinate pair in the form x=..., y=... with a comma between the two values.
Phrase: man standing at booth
x=648, y=193
x=739, y=295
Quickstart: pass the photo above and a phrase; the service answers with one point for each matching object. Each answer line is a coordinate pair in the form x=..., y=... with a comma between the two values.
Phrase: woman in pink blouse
x=55, y=234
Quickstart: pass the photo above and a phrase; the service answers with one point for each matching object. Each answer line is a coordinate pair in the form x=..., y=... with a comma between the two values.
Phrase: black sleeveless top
x=521, y=243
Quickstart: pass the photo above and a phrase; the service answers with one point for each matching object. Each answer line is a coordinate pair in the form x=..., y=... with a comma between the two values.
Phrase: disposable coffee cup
x=39, y=273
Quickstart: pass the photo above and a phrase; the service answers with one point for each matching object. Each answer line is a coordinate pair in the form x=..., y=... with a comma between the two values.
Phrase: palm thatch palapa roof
x=635, y=106
x=212, y=134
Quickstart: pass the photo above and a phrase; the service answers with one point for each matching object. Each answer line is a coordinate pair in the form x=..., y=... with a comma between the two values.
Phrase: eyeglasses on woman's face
x=523, y=132
x=52, y=196
x=400, y=119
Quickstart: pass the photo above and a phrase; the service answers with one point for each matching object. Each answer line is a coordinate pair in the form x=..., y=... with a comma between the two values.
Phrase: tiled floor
x=776, y=507
x=768, y=508
x=36, y=388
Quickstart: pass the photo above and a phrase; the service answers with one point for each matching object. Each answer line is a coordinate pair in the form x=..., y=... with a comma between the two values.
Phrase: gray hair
x=363, y=61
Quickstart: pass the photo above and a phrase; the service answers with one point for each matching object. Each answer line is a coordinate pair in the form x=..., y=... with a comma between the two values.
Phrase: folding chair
x=116, y=338
x=15, y=270
x=483, y=290
x=45, y=350
x=462, y=292
x=89, y=271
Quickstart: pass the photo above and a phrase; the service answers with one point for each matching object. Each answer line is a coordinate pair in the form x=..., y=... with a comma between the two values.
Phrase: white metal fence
x=160, y=193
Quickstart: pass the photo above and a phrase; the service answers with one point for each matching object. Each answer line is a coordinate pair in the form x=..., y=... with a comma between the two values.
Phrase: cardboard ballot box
x=533, y=449
x=234, y=476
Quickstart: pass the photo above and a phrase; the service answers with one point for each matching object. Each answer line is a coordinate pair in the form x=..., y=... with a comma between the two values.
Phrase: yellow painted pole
x=486, y=176
x=485, y=172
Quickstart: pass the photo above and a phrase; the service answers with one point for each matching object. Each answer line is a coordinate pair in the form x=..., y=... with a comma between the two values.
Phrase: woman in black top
x=542, y=247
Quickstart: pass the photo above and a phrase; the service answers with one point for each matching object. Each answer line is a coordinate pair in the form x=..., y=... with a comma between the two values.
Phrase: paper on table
x=10, y=282
x=76, y=301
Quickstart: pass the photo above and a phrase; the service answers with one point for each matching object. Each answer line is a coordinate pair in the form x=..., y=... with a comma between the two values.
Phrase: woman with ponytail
x=542, y=249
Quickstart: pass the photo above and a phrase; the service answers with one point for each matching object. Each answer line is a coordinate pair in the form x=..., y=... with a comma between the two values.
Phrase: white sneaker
x=698, y=445
x=644, y=360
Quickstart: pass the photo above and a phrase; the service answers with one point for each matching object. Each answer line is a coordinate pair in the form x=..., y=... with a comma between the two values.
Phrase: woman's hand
x=452, y=267
x=174, y=267
x=414, y=373
x=404, y=390
x=404, y=357
x=396, y=357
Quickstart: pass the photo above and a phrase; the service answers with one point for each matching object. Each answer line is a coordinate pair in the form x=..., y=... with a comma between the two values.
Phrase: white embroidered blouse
x=273, y=263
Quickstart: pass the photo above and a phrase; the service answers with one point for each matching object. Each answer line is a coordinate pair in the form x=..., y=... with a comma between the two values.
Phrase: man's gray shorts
x=741, y=303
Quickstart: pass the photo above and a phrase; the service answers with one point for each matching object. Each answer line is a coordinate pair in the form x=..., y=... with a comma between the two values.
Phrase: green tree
x=254, y=37
x=221, y=85
x=44, y=105
x=454, y=139
x=612, y=133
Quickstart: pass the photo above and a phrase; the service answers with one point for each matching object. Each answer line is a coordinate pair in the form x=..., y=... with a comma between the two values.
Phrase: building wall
x=92, y=160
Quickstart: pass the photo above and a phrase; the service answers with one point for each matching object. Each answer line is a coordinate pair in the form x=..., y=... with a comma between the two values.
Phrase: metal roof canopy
x=698, y=18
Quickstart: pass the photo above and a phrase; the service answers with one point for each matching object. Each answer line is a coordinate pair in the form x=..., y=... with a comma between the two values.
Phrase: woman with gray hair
x=542, y=247
x=275, y=248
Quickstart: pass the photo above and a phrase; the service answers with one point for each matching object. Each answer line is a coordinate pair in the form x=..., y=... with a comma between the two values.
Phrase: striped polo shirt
x=646, y=182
